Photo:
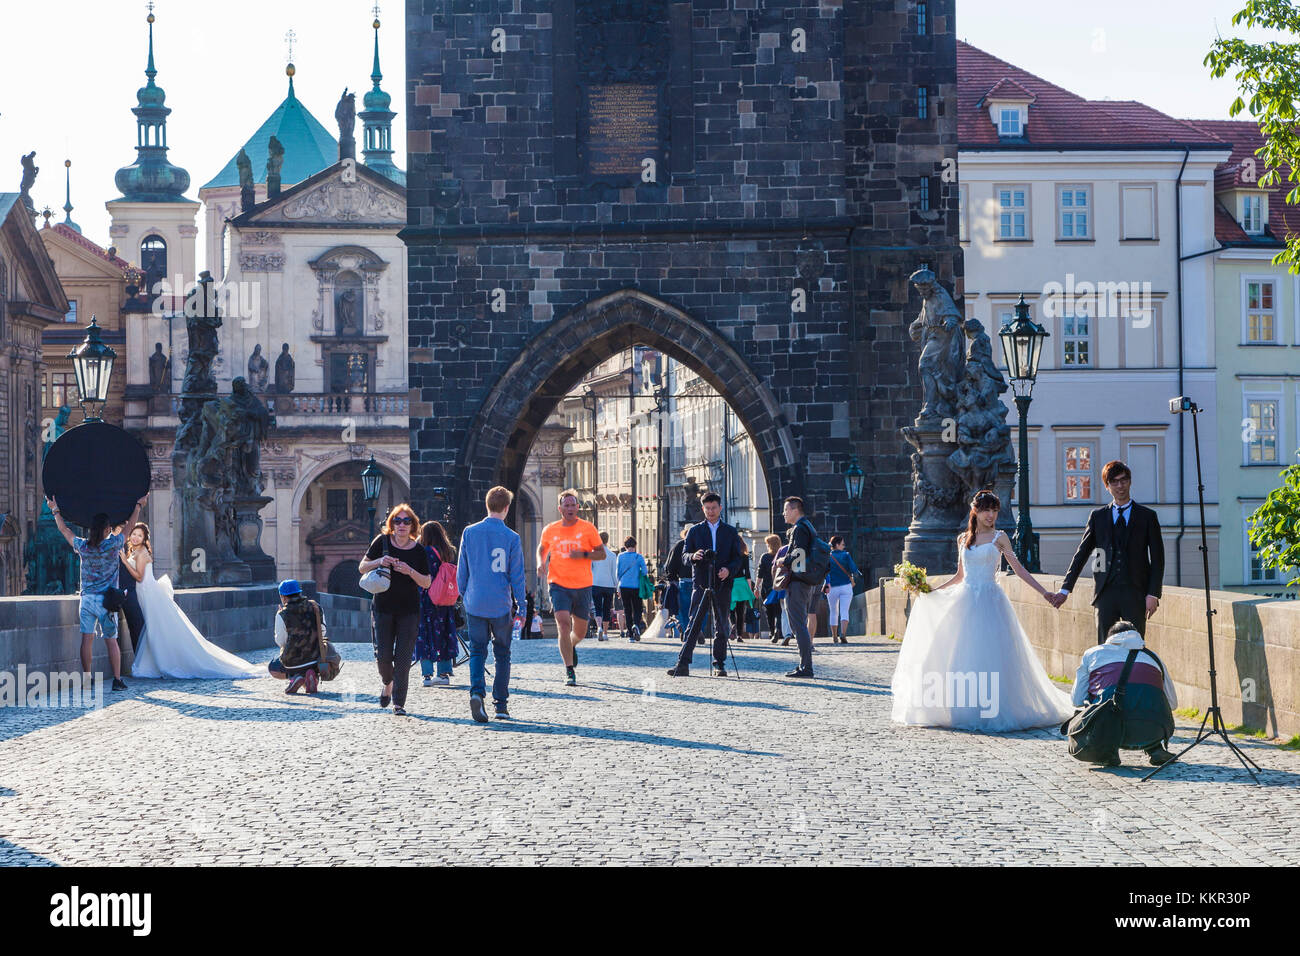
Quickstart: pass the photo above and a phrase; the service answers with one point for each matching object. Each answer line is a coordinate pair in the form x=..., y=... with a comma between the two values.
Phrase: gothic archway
x=520, y=402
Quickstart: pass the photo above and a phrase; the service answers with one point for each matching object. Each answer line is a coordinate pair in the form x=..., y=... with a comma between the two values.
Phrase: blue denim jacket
x=491, y=566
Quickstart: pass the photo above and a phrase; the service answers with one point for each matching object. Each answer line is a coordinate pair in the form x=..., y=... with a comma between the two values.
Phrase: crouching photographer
x=306, y=656
x=1130, y=699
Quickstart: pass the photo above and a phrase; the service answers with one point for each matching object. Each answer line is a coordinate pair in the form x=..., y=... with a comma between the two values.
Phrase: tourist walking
x=99, y=562
x=742, y=597
x=604, y=585
x=566, y=552
x=435, y=642
x=491, y=579
x=396, y=611
x=799, y=594
x=714, y=548
x=772, y=608
x=631, y=568
x=678, y=571
x=840, y=579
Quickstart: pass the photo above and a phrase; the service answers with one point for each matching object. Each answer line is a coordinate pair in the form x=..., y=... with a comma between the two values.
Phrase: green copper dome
x=308, y=146
x=151, y=178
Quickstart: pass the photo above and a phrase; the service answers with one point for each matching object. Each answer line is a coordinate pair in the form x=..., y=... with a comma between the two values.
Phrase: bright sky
x=69, y=87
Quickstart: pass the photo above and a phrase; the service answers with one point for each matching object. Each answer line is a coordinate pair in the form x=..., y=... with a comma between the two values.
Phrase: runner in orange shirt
x=569, y=545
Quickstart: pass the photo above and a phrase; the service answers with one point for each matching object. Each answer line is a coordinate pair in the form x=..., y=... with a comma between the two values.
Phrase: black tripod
x=695, y=625
x=1213, y=716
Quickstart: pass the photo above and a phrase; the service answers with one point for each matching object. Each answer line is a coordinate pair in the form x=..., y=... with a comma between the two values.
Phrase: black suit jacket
x=699, y=538
x=1145, y=555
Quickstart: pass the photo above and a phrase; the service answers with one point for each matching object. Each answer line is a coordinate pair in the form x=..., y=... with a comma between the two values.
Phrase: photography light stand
x=1213, y=716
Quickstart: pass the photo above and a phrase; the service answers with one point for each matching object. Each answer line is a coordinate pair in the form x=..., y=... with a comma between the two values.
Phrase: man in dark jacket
x=712, y=583
x=799, y=595
x=1130, y=565
x=299, y=631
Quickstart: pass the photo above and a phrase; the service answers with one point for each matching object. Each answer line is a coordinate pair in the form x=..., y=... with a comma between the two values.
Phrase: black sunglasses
x=403, y=519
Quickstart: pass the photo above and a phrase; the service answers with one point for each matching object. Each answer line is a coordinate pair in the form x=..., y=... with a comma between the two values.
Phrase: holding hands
x=1056, y=599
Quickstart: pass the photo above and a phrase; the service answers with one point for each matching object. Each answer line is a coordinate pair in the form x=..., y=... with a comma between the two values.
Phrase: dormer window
x=1009, y=121
x=1252, y=214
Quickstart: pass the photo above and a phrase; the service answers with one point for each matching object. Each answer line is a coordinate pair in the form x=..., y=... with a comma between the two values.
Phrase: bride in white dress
x=171, y=646
x=966, y=662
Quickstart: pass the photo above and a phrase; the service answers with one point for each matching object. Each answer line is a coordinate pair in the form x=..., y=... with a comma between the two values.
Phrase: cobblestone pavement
x=631, y=766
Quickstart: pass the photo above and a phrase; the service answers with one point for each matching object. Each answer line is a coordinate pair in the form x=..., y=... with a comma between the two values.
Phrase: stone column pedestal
x=248, y=538
x=938, y=506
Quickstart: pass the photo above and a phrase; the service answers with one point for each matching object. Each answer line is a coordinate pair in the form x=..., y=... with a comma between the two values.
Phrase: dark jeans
x=719, y=603
x=1120, y=601
x=134, y=618
x=773, y=618
x=797, y=599
x=394, y=649
x=632, y=608
x=498, y=630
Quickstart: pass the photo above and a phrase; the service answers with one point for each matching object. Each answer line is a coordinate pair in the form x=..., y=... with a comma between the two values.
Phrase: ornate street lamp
x=1022, y=344
x=92, y=361
x=372, y=479
x=442, y=506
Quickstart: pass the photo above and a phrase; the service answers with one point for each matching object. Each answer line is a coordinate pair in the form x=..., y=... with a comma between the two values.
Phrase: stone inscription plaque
x=622, y=128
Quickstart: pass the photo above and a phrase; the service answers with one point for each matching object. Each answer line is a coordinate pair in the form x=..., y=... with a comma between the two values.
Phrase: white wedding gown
x=966, y=662
x=171, y=646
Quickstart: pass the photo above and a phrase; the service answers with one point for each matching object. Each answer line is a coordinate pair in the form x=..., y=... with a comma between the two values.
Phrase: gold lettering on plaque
x=623, y=127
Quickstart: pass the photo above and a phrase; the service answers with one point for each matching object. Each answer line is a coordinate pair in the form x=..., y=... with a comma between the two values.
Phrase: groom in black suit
x=712, y=581
x=1130, y=564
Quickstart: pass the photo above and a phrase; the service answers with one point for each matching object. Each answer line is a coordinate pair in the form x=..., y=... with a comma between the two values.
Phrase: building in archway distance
x=312, y=286
x=744, y=190
x=31, y=301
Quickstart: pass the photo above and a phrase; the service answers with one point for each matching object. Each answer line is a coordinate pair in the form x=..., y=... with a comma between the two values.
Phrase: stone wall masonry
x=1256, y=644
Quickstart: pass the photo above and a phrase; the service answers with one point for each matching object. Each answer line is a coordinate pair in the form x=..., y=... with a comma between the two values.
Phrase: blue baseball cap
x=290, y=586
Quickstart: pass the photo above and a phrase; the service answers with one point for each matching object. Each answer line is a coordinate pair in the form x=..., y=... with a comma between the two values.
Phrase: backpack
x=442, y=589
x=1097, y=732
x=810, y=568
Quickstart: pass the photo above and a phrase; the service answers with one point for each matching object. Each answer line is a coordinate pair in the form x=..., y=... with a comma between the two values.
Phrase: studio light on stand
x=1213, y=716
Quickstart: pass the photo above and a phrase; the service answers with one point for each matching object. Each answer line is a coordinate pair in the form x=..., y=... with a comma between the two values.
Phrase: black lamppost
x=442, y=505
x=1022, y=344
x=92, y=361
x=854, y=481
x=371, y=481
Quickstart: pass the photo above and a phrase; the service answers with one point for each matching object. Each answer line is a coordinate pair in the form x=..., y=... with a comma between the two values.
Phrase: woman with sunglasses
x=396, y=611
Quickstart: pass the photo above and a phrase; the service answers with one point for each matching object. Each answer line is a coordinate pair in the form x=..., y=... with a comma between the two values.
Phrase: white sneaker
x=603, y=636
x=428, y=682
x=442, y=680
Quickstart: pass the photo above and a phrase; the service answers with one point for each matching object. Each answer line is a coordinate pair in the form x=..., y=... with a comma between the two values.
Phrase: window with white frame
x=1073, y=212
x=1252, y=214
x=1259, y=310
x=963, y=200
x=1257, y=572
x=1076, y=340
x=1009, y=121
x=1078, y=468
x=1259, y=430
x=71, y=314
x=1013, y=212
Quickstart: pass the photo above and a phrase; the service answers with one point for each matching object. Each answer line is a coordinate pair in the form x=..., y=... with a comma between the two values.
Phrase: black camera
x=1182, y=404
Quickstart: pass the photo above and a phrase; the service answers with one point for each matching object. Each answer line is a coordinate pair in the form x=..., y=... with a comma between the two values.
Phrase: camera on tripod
x=709, y=556
x=1182, y=404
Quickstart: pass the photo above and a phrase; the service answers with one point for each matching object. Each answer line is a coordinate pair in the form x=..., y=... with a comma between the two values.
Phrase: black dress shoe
x=800, y=672
x=1112, y=762
x=1159, y=757
x=678, y=672
x=719, y=670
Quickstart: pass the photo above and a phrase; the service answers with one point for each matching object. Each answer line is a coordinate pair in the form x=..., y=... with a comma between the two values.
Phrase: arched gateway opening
x=523, y=399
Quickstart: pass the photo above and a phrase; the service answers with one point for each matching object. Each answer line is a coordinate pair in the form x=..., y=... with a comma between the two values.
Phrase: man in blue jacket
x=489, y=573
x=713, y=581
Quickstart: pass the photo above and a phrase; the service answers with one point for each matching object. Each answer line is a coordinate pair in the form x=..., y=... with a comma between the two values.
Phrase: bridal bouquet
x=911, y=578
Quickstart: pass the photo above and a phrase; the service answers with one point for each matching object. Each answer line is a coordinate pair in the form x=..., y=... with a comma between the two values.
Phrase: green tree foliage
x=1275, y=526
x=1269, y=74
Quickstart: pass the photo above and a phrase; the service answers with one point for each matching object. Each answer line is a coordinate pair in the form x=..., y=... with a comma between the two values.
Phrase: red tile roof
x=1245, y=138
x=90, y=246
x=1009, y=89
x=1059, y=119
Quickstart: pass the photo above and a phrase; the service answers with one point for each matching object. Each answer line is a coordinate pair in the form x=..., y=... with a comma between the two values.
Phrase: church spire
x=151, y=178
x=67, y=205
x=377, y=120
